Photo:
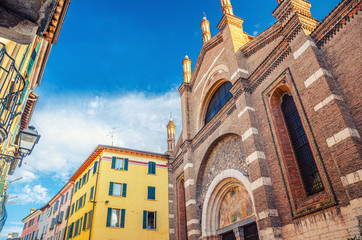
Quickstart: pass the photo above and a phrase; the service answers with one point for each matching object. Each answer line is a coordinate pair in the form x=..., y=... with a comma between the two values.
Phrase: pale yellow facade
x=134, y=203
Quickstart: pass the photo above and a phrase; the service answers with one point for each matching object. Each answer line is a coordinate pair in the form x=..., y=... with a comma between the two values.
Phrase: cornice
x=262, y=40
x=335, y=20
x=228, y=19
x=268, y=65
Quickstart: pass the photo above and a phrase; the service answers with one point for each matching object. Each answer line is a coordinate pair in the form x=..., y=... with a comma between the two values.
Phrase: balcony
x=12, y=91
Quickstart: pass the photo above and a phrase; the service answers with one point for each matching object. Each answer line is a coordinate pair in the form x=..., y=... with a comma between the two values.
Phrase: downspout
x=95, y=194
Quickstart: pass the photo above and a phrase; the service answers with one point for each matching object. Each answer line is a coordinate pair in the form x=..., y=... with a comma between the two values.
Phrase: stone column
x=239, y=233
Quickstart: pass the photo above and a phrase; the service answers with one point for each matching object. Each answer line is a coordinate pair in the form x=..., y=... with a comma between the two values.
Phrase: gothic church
x=270, y=146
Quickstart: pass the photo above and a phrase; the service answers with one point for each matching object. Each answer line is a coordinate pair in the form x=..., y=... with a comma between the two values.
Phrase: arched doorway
x=228, y=211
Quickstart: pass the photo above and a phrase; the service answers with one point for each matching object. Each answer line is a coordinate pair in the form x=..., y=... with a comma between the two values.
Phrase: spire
x=171, y=136
x=226, y=7
x=187, y=69
x=205, y=27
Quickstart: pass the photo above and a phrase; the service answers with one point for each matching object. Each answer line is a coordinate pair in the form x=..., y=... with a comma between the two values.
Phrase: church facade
x=270, y=146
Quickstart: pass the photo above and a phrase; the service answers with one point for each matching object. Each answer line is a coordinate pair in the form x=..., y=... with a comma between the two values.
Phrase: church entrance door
x=228, y=236
x=251, y=232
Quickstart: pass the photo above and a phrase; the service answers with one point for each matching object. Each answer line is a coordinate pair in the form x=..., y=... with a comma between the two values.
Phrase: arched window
x=303, y=153
x=218, y=100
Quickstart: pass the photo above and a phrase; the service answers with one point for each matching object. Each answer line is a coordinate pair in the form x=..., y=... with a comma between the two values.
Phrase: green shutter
x=85, y=221
x=151, y=193
x=111, y=189
x=85, y=197
x=91, y=194
x=109, y=217
x=80, y=225
x=95, y=167
x=90, y=219
x=72, y=231
x=88, y=175
x=126, y=164
x=155, y=219
x=124, y=189
x=72, y=209
x=154, y=168
x=123, y=215
x=149, y=167
x=144, y=219
x=114, y=159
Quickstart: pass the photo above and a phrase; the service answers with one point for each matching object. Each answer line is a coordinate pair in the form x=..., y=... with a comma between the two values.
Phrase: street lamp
x=28, y=138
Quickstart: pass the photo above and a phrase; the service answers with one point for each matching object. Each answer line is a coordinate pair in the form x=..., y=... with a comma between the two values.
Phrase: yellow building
x=120, y=193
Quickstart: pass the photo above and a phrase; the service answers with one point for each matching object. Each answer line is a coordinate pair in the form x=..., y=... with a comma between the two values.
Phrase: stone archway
x=228, y=207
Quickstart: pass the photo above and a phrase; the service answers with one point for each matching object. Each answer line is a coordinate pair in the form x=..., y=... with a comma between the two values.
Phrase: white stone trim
x=171, y=216
x=189, y=182
x=172, y=231
x=246, y=109
x=345, y=133
x=352, y=178
x=193, y=232
x=327, y=100
x=188, y=165
x=249, y=132
x=268, y=213
x=170, y=185
x=208, y=70
x=193, y=221
x=254, y=156
x=269, y=233
x=263, y=181
x=356, y=205
x=304, y=47
x=321, y=72
x=170, y=201
x=191, y=201
x=240, y=70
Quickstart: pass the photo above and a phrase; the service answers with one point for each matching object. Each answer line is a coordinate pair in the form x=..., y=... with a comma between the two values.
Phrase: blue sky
x=117, y=64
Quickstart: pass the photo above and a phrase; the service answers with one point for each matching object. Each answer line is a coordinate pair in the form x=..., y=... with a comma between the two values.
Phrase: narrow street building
x=31, y=223
x=120, y=193
x=270, y=146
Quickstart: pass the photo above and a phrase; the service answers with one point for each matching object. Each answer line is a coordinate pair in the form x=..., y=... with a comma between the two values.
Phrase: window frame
x=301, y=204
x=146, y=220
x=217, y=101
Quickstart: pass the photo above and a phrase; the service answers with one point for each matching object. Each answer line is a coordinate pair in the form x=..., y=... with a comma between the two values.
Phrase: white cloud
x=71, y=127
x=255, y=33
x=12, y=227
x=36, y=194
x=25, y=173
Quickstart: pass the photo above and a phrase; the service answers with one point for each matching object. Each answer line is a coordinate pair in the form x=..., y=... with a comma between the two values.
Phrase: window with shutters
x=91, y=193
x=120, y=163
x=116, y=217
x=90, y=214
x=149, y=220
x=76, y=228
x=62, y=200
x=56, y=205
x=151, y=168
x=95, y=167
x=151, y=193
x=71, y=213
x=117, y=189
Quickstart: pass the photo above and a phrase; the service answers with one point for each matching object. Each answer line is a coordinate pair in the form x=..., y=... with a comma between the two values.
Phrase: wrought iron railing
x=12, y=85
